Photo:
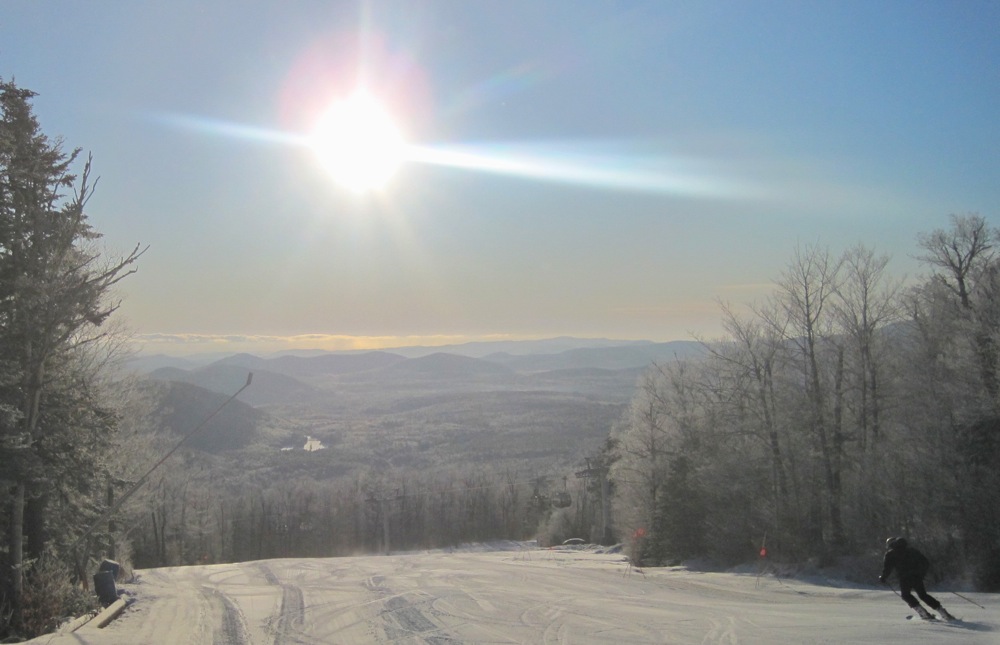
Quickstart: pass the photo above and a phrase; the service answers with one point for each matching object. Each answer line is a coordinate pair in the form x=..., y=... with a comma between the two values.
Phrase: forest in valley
x=847, y=406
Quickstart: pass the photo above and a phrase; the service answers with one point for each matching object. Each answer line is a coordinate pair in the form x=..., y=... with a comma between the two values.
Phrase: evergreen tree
x=54, y=295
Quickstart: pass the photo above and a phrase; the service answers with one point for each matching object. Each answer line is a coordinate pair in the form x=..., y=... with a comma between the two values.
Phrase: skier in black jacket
x=911, y=566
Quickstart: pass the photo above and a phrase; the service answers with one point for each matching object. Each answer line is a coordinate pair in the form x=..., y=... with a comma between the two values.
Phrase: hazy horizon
x=208, y=347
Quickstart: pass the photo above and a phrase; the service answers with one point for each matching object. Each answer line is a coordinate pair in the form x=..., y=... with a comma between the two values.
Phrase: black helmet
x=895, y=543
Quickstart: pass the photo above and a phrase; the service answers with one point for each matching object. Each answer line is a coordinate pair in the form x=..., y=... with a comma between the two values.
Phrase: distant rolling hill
x=441, y=365
x=267, y=387
x=179, y=408
x=146, y=364
x=612, y=358
x=316, y=365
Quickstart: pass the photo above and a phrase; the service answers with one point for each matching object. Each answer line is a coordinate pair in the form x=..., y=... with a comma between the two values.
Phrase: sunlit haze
x=356, y=175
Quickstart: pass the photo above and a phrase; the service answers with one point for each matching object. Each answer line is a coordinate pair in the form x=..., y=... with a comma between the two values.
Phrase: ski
x=937, y=619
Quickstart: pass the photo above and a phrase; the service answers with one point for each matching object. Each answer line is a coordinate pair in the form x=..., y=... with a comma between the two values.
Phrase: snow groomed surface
x=569, y=595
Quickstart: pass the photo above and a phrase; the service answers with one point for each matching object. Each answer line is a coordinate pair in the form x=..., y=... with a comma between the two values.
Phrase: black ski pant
x=908, y=585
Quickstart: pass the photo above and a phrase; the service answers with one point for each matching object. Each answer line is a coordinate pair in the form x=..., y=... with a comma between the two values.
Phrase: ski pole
x=889, y=584
x=968, y=600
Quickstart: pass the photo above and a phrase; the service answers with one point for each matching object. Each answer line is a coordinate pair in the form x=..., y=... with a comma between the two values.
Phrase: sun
x=358, y=143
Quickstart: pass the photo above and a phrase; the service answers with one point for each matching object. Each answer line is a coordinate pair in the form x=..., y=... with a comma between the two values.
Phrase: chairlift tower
x=602, y=473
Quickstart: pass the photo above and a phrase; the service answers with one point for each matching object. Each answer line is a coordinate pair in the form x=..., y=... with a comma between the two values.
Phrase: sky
x=517, y=593
x=605, y=169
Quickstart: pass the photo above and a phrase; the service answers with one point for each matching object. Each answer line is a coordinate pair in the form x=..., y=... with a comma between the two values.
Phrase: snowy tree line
x=184, y=522
x=845, y=407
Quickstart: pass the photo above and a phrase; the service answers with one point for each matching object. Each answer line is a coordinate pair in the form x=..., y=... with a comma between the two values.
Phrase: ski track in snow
x=288, y=623
x=549, y=597
x=232, y=630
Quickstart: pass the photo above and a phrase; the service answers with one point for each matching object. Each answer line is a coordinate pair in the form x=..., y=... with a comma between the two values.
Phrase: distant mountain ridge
x=519, y=356
x=481, y=349
x=314, y=365
x=268, y=387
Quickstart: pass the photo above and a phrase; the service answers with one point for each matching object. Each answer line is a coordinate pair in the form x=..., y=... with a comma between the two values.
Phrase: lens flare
x=358, y=143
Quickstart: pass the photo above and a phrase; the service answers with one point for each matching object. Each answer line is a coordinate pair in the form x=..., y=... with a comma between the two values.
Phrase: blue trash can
x=104, y=585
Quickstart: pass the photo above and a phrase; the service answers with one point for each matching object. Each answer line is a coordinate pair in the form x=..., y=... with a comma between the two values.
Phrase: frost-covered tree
x=965, y=267
x=643, y=438
x=664, y=446
x=840, y=410
x=956, y=362
x=806, y=290
x=868, y=312
x=55, y=290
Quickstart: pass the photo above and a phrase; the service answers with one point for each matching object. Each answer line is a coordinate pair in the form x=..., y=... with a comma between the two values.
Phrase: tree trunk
x=17, y=553
x=112, y=547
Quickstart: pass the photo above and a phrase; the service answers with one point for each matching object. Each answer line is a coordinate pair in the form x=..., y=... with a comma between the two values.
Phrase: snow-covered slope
x=521, y=595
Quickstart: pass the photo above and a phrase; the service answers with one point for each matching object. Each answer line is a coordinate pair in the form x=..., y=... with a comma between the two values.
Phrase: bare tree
x=754, y=354
x=805, y=291
x=868, y=302
x=965, y=260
